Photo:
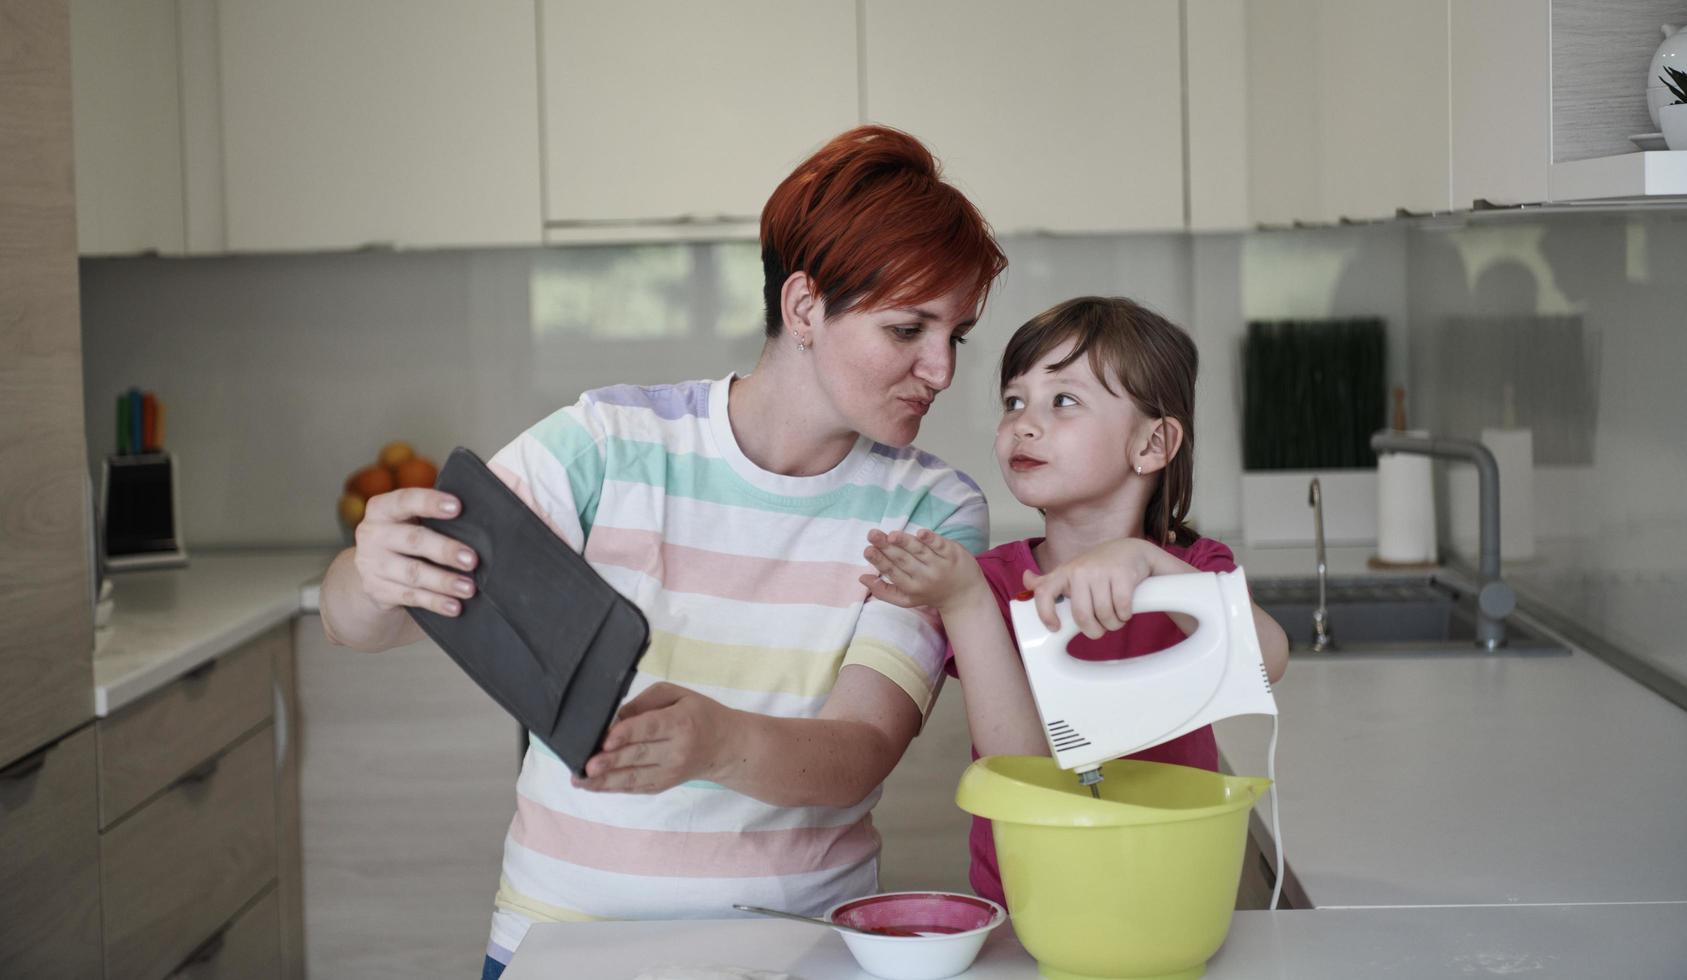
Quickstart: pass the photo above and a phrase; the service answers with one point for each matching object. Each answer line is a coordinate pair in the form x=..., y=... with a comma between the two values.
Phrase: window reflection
x=647, y=292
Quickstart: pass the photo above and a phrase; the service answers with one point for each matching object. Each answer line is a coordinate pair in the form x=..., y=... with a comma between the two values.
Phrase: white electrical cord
x=1276, y=824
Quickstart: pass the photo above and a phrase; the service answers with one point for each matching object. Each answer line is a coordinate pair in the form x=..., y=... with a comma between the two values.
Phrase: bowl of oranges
x=396, y=466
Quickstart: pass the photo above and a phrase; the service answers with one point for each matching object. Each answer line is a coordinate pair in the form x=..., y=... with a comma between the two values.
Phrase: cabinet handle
x=205, y=951
x=199, y=773
x=26, y=766
x=200, y=672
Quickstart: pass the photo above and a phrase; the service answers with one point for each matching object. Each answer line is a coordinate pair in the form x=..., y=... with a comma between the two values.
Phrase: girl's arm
x=1101, y=582
x=1001, y=713
x=930, y=570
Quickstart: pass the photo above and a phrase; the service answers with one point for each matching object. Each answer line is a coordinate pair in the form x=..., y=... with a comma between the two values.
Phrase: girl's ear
x=800, y=307
x=1165, y=438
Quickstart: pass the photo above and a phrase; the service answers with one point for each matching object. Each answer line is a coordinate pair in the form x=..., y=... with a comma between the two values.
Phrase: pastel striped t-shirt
x=749, y=580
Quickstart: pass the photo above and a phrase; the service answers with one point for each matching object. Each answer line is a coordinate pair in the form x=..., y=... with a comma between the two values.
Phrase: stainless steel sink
x=1368, y=616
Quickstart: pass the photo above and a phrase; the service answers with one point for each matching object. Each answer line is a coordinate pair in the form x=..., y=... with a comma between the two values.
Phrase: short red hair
x=870, y=219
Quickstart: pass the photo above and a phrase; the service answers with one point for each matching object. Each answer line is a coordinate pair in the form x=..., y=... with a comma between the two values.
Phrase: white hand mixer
x=1096, y=711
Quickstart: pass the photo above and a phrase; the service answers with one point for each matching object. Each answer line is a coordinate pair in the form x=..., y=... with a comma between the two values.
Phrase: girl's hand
x=924, y=569
x=401, y=563
x=665, y=736
x=1099, y=583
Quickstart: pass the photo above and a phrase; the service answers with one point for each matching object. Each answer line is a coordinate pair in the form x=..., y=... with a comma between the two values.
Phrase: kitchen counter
x=1547, y=942
x=166, y=622
x=1473, y=780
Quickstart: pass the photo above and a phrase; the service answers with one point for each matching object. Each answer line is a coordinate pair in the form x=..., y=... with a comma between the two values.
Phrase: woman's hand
x=665, y=736
x=924, y=569
x=1100, y=584
x=401, y=563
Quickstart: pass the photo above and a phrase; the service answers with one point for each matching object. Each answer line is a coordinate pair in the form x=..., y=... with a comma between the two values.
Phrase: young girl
x=1098, y=412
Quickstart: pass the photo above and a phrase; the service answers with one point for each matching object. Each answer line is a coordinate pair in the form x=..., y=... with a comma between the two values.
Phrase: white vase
x=1673, y=119
x=1671, y=53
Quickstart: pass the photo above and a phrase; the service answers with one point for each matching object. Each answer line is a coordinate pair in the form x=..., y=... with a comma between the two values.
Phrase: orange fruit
x=395, y=454
x=371, y=480
x=351, y=509
x=417, y=472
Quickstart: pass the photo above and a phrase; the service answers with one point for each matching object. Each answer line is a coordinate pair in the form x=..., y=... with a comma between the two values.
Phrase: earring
x=1139, y=469
x=801, y=345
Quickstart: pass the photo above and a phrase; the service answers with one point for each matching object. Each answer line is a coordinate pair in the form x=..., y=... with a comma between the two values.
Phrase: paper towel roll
x=1405, y=508
x=1514, y=451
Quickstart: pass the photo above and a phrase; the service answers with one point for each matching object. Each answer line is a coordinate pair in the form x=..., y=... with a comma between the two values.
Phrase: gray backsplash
x=284, y=373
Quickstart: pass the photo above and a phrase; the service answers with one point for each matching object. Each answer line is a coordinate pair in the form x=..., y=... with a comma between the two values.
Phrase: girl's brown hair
x=1156, y=362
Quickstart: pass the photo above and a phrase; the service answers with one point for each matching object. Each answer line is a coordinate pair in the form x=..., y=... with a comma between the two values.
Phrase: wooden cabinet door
x=1055, y=117
x=49, y=856
x=181, y=867
x=407, y=775
x=46, y=648
x=355, y=122
x=657, y=110
x=128, y=126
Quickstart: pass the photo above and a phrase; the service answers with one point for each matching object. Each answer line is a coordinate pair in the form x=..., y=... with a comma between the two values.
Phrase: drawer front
x=49, y=863
x=249, y=948
x=182, y=866
x=150, y=744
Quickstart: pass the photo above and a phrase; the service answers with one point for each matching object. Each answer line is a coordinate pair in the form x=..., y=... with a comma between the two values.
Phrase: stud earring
x=1139, y=469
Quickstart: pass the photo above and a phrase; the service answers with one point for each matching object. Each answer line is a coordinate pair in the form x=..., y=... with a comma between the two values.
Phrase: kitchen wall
x=282, y=374
x=1584, y=317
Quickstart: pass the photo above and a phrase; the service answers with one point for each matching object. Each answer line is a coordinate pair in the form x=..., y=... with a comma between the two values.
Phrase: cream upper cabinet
x=1501, y=68
x=1059, y=117
x=347, y=123
x=1348, y=109
x=1284, y=125
x=665, y=110
x=1383, y=81
x=128, y=126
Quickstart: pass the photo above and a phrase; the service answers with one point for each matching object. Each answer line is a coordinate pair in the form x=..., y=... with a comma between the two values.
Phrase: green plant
x=1675, y=80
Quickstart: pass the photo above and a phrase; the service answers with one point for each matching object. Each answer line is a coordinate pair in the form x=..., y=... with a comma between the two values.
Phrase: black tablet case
x=544, y=634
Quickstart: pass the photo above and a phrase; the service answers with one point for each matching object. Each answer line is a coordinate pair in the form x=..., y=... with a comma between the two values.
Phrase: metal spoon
x=884, y=931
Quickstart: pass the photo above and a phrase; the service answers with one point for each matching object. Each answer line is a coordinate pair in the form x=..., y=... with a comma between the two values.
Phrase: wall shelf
x=1642, y=175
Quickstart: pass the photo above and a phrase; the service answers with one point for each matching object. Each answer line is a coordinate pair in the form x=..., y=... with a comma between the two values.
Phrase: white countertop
x=1472, y=779
x=1633, y=941
x=168, y=621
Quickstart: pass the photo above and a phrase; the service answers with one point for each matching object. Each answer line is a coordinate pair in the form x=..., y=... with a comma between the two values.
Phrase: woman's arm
x=396, y=563
x=670, y=734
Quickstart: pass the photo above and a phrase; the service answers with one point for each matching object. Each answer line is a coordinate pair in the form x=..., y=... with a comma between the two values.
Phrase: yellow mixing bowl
x=1139, y=883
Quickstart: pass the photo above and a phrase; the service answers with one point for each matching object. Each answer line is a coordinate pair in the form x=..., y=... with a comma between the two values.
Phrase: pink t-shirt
x=1004, y=568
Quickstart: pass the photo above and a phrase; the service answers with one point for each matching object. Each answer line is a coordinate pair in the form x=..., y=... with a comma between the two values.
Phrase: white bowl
x=917, y=957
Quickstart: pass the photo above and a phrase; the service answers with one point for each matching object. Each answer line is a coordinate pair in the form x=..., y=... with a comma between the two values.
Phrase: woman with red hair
x=774, y=697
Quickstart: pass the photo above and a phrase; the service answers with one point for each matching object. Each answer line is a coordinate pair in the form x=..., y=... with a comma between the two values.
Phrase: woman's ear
x=1165, y=438
x=800, y=307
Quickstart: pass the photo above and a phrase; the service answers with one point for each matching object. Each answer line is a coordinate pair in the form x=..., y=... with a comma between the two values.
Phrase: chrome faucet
x=1494, y=599
x=1321, y=638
